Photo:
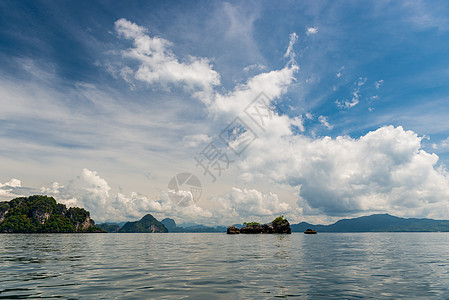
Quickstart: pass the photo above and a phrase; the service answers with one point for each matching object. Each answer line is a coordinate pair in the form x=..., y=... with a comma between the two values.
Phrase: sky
x=219, y=112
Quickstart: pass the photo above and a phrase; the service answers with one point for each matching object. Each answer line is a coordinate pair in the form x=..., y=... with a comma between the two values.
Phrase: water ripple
x=220, y=266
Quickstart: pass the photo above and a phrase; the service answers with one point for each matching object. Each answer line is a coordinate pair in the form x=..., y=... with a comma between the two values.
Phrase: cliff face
x=42, y=214
x=4, y=208
x=147, y=224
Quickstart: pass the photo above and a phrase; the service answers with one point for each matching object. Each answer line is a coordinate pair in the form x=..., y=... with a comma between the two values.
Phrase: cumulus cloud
x=93, y=193
x=311, y=30
x=244, y=203
x=12, y=183
x=54, y=189
x=298, y=122
x=271, y=85
x=10, y=189
x=158, y=64
x=384, y=171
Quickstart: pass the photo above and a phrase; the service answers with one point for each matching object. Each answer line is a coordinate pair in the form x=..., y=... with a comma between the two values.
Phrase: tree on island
x=40, y=214
x=278, y=225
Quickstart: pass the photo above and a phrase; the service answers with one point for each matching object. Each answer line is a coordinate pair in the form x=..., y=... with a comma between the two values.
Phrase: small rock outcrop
x=233, y=230
x=278, y=225
x=281, y=226
x=253, y=228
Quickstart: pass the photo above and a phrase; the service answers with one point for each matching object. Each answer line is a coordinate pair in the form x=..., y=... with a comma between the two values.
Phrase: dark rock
x=233, y=230
x=282, y=227
x=252, y=229
x=278, y=225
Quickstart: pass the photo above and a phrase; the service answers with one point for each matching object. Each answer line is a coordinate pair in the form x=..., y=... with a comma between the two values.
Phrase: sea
x=220, y=266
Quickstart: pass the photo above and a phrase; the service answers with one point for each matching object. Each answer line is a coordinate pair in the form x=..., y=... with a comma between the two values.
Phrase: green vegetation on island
x=278, y=225
x=41, y=214
x=279, y=220
x=251, y=223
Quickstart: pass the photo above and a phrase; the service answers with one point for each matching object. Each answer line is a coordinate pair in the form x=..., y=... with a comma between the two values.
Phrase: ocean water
x=220, y=266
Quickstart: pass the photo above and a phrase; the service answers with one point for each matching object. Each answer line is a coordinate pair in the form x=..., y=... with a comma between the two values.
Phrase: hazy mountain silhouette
x=378, y=223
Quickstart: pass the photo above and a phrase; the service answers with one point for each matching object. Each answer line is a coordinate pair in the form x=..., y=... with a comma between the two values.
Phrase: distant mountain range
x=172, y=227
x=372, y=223
x=378, y=223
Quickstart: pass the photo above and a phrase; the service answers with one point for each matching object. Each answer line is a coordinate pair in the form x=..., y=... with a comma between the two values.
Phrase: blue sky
x=104, y=102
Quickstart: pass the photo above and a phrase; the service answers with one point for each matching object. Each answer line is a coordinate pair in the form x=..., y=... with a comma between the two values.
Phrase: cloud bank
x=157, y=64
x=385, y=170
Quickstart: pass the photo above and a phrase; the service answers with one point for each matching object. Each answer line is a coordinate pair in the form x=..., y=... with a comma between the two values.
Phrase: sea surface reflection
x=220, y=266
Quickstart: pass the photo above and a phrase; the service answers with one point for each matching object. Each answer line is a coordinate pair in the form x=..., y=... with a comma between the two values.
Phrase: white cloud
x=54, y=189
x=158, y=64
x=384, y=171
x=361, y=81
x=273, y=84
x=244, y=203
x=298, y=122
x=311, y=30
x=290, y=53
x=12, y=183
x=349, y=103
x=324, y=121
x=378, y=83
x=258, y=67
x=195, y=140
x=355, y=95
x=442, y=146
x=10, y=189
x=93, y=193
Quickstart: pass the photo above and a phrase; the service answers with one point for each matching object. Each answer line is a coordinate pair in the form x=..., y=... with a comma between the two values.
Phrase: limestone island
x=42, y=214
x=278, y=225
